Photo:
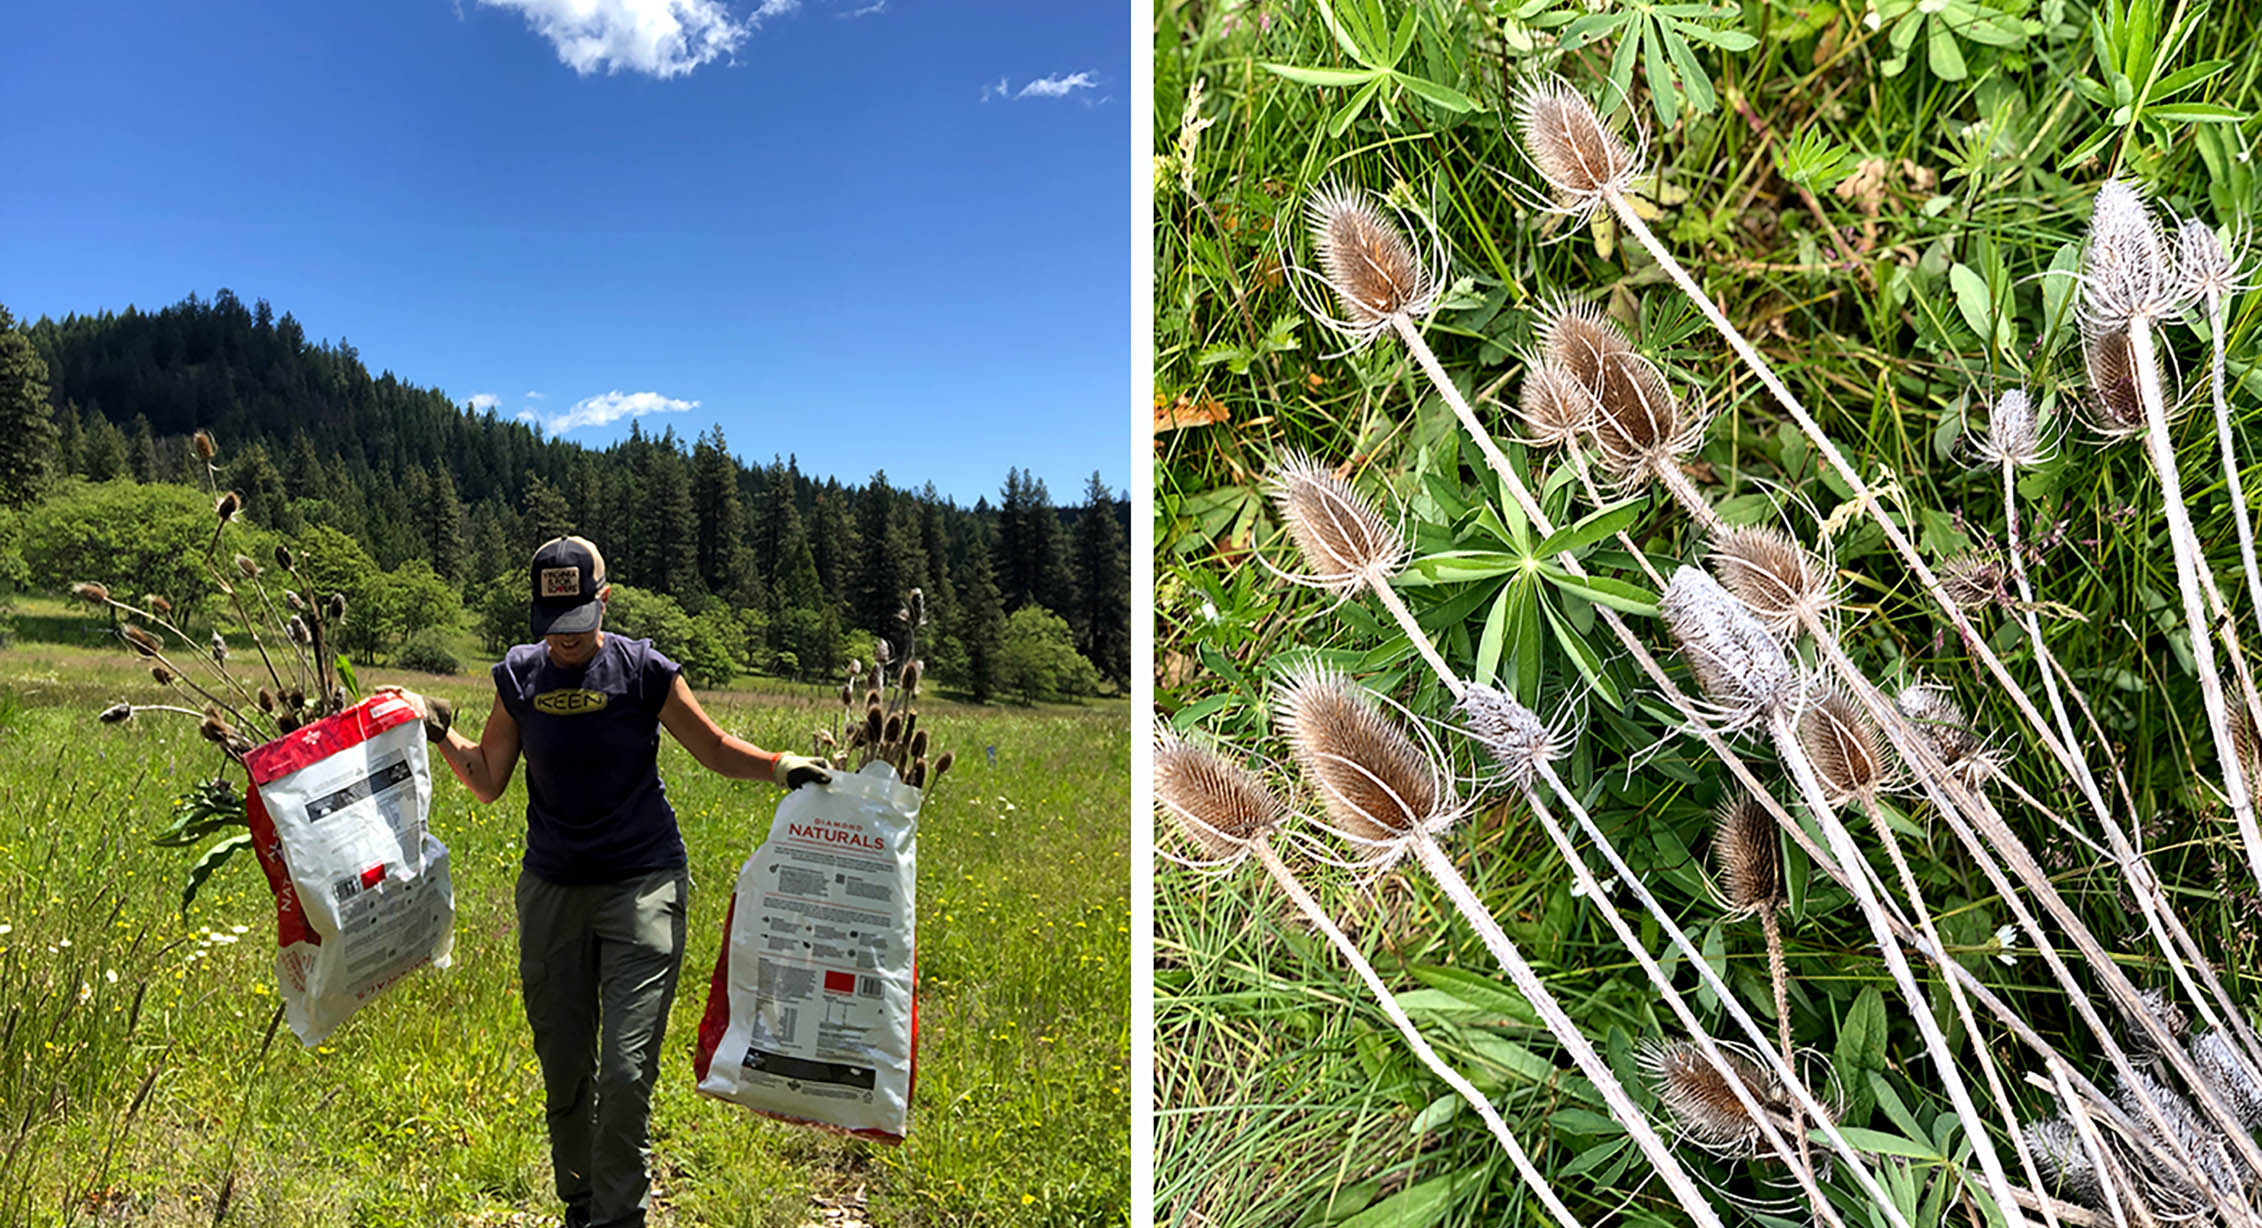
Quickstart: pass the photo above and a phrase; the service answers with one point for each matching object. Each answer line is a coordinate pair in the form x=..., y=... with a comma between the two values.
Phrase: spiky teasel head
x=1382, y=789
x=1638, y=423
x=1554, y=406
x=1939, y=722
x=2199, y=1138
x=2063, y=1162
x=162, y=676
x=91, y=593
x=2232, y=1081
x=142, y=642
x=283, y=556
x=2172, y=1018
x=1701, y=1100
x=2113, y=409
x=1847, y=752
x=1745, y=677
x=227, y=505
x=1582, y=160
x=1784, y=585
x=1748, y=858
x=1511, y=733
x=942, y=764
x=2014, y=435
x=908, y=680
x=219, y=648
x=2128, y=269
x=1344, y=540
x=1976, y=579
x=2209, y=267
x=116, y=714
x=1220, y=807
x=892, y=732
x=201, y=443
x=1371, y=270
x=157, y=604
x=882, y=653
x=245, y=567
x=875, y=722
x=1576, y=333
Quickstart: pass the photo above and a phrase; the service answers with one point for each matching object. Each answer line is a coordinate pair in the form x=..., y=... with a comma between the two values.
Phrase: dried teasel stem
x=1744, y=671
x=1229, y=815
x=1386, y=795
x=2213, y=274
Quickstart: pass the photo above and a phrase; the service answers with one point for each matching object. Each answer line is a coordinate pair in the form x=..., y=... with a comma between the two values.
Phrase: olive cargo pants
x=599, y=965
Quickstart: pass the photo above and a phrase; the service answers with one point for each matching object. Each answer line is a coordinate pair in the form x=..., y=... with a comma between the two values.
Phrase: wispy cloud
x=996, y=91
x=662, y=38
x=872, y=9
x=482, y=401
x=1056, y=86
x=773, y=8
x=610, y=407
x=532, y=395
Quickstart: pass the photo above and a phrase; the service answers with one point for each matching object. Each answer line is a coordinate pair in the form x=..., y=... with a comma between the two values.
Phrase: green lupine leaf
x=1344, y=77
x=1495, y=638
x=1436, y=95
x=213, y=859
x=1942, y=54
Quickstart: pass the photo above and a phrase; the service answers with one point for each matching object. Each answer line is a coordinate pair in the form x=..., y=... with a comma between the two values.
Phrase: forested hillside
x=785, y=566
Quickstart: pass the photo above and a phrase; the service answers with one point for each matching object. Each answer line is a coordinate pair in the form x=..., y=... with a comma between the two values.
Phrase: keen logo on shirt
x=569, y=703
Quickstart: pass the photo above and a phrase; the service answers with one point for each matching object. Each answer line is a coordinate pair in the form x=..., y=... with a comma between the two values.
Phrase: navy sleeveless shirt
x=596, y=811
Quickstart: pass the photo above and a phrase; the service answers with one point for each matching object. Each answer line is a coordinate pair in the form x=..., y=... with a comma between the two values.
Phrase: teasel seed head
x=266, y=700
x=226, y=507
x=1219, y=806
x=2113, y=409
x=847, y=695
x=2209, y=268
x=1742, y=670
x=1748, y=858
x=1939, y=722
x=1554, y=406
x=1581, y=159
x=1845, y=748
x=874, y=722
x=201, y=443
x=1345, y=542
x=2014, y=432
x=872, y=698
x=2127, y=267
x=2172, y=1018
x=1783, y=584
x=2063, y=1162
x=882, y=652
x=893, y=732
x=910, y=678
x=91, y=593
x=293, y=600
x=161, y=675
x=157, y=605
x=918, y=608
x=910, y=723
x=1580, y=336
x=116, y=714
x=1639, y=424
x=296, y=698
x=1701, y=1101
x=282, y=556
x=942, y=765
x=1381, y=788
x=219, y=649
x=245, y=567
x=2201, y=1140
x=1511, y=733
x=2217, y=1058
x=287, y=723
x=1976, y=579
x=296, y=630
x=214, y=729
x=337, y=699
x=918, y=743
x=335, y=611
x=1372, y=271
x=917, y=778
x=855, y=668
x=141, y=641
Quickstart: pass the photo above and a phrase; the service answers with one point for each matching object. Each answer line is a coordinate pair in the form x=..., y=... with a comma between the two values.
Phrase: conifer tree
x=1102, y=617
x=27, y=424
x=547, y=514
x=981, y=618
x=718, y=516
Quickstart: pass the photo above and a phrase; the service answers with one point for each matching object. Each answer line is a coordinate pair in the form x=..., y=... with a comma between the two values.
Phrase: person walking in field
x=604, y=887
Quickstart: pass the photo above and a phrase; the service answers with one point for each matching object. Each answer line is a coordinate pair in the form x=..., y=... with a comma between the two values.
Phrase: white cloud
x=610, y=407
x=773, y=8
x=1055, y=86
x=481, y=401
x=663, y=38
x=532, y=395
x=875, y=7
x=995, y=91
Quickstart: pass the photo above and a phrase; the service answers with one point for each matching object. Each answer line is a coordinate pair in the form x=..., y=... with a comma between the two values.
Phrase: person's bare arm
x=484, y=766
x=715, y=750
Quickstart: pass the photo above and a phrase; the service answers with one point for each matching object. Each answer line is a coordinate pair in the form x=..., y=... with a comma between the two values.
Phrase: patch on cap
x=561, y=582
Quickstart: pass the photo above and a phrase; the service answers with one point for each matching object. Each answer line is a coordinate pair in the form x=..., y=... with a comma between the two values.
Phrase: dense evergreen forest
x=777, y=568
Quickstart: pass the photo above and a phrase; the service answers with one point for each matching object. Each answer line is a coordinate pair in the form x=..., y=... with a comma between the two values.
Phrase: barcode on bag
x=867, y=987
x=346, y=888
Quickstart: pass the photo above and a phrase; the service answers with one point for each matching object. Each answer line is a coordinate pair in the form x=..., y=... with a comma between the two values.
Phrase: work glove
x=794, y=771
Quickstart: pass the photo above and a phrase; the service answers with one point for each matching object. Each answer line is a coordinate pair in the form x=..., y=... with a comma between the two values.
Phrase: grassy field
x=1882, y=223
x=133, y=1088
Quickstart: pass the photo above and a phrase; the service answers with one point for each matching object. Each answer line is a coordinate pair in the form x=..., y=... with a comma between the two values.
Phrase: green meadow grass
x=132, y=1083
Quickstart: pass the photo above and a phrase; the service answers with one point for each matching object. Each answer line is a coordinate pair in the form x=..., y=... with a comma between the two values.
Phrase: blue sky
x=874, y=233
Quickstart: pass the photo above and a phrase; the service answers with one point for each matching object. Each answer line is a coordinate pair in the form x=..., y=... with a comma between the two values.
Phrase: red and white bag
x=811, y=1014
x=362, y=896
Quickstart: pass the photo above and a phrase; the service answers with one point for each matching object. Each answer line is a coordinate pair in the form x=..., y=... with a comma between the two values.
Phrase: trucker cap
x=568, y=572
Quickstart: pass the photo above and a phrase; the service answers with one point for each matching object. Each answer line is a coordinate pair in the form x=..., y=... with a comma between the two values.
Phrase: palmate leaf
x=206, y=808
